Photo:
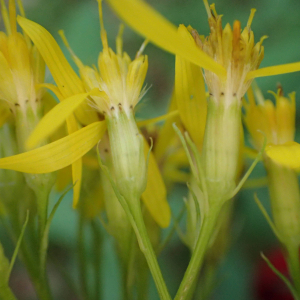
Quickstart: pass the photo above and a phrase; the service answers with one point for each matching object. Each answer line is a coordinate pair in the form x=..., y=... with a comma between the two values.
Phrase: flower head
x=275, y=121
x=21, y=64
x=228, y=53
x=232, y=48
x=118, y=78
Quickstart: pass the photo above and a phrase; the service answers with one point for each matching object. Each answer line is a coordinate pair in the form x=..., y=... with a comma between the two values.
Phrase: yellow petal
x=77, y=178
x=155, y=195
x=58, y=154
x=65, y=77
x=93, y=202
x=145, y=20
x=287, y=154
x=274, y=70
x=54, y=119
x=72, y=126
x=191, y=98
x=63, y=178
x=158, y=119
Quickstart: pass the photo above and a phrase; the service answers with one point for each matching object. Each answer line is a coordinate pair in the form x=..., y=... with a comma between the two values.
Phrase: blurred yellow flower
x=113, y=90
x=226, y=53
x=276, y=122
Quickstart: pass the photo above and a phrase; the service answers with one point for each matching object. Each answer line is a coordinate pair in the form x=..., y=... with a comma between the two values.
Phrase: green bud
x=285, y=201
x=118, y=224
x=127, y=150
x=221, y=147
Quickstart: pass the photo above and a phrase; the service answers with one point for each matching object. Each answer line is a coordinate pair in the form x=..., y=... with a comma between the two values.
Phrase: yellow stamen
x=21, y=8
x=236, y=41
x=12, y=16
x=142, y=48
x=119, y=40
x=5, y=17
x=22, y=13
x=253, y=10
x=207, y=8
x=102, y=29
x=213, y=9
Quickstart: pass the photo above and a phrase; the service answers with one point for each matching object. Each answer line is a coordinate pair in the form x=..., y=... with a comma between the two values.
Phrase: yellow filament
x=213, y=9
x=22, y=12
x=142, y=48
x=12, y=16
x=5, y=17
x=21, y=8
x=119, y=40
x=207, y=8
x=252, y=13
x=102, y=29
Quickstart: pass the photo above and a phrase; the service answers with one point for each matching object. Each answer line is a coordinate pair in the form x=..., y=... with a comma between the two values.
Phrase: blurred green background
x=277, y=19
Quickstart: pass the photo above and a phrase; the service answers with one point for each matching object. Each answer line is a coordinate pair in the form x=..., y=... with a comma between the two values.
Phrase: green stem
x=82, y=260
x=42, y=196
x=28, y=256
x=6, y=293
x=97, y=258
x=125, y=291
x=147, y=249
x=294, y=265
x=198, y=255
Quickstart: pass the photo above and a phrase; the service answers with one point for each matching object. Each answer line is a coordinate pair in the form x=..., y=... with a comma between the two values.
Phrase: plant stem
x=6, y=293
x=294, y=265
x=82, y=260
x=147, y=249
x=97, y=240
x=198, y=254
x=42, y=196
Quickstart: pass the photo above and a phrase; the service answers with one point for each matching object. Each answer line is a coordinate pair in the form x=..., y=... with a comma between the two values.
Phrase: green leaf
x=281, y=276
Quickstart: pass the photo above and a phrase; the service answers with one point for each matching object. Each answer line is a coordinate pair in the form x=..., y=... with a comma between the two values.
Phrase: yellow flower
x=230, y=60
x=227, y=53
x=276, y=123
x=21, y=65
x=111, y=90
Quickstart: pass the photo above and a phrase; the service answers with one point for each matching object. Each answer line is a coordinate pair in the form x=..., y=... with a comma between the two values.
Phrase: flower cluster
x=84, y=127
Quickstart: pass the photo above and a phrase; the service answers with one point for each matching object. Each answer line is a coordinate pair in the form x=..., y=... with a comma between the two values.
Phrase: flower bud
x=285, y=201
x=127, y=150
x=221, y=147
